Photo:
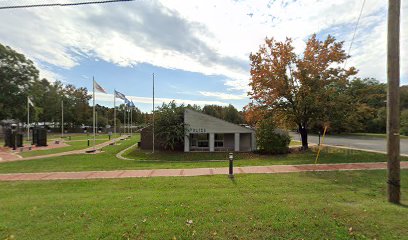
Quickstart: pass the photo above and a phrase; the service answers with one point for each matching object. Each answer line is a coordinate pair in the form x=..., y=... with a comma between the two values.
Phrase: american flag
x=98, y=87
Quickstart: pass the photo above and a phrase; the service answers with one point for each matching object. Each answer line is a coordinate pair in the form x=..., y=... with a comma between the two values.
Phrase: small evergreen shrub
x=270, y=139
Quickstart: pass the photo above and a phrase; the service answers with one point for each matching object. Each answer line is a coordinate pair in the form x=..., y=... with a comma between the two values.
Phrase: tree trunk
x=303, y=135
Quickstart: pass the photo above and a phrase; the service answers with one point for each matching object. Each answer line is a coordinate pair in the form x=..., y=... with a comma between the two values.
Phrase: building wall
x=229, y=141
x=245, y=142
x=201, y=123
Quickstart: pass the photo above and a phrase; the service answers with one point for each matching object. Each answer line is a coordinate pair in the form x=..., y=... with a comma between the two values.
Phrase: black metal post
x=231, y=165
x=14, y=136
x=15, y=140
x=88, y=142
x=319, y=138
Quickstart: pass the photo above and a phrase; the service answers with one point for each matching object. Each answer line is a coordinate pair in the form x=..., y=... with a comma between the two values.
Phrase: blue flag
x=127, y=102
x=120, y=95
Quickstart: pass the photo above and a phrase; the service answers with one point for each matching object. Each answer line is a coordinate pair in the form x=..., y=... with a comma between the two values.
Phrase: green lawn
x=75, y=145
x=318, y=205
x=295, y=143
x=74, y=136
x=145, y=160
x=82, y=136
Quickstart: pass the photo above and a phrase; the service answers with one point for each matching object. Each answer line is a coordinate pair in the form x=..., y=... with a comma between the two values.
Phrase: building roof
x=203, y=123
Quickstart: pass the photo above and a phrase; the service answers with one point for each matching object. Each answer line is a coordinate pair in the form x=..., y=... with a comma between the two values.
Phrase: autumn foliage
x=297, y=88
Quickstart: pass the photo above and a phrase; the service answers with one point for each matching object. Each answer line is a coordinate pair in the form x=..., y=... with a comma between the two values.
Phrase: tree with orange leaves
x=298, y=88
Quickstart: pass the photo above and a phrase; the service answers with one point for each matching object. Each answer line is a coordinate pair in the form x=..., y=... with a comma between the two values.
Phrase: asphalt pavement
x=360, y=142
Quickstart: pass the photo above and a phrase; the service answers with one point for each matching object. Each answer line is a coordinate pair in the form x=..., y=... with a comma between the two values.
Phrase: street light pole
x=393, y=108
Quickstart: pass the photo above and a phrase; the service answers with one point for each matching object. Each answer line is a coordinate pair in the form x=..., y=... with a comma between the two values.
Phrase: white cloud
x=224, y=96
x=108, y=100
x=210, y=37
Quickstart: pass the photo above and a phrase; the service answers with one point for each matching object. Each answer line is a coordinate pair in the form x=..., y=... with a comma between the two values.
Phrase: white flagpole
x=114, y=113
x=62, y=118
x=94, y=133
x=124, y=119
x=28, y=120
x=129, y=117
x=153, y=114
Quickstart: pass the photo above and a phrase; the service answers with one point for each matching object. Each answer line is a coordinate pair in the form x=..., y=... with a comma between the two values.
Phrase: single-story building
x=208, y=133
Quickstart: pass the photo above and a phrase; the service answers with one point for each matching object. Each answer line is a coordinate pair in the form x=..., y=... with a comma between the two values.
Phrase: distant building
x=205, y=133
x=208, y=133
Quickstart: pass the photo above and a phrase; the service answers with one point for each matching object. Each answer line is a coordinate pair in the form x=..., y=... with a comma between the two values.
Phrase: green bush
x=169, y=126
x=270, y=139
x=404, y=122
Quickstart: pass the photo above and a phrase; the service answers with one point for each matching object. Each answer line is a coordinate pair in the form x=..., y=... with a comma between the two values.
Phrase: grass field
x=80, y=136
x=145, y=160
x=295, y=143
x=319, y=205
x=75, y=145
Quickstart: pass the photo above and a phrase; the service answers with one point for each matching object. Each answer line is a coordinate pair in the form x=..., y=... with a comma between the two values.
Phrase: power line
x=62, y=4
x=355, y=30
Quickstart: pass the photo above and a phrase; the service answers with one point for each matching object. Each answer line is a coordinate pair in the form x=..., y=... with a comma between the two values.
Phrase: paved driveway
x=369, y=143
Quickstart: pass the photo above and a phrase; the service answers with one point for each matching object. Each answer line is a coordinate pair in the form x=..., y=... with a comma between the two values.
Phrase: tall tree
x=17, y=75
x=76, y=106
x=368, y=99
x=170, y=127
x=228, y=113
x=299, y=88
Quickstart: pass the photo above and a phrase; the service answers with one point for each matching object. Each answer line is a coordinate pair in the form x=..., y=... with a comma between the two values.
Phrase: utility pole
x=393, y=108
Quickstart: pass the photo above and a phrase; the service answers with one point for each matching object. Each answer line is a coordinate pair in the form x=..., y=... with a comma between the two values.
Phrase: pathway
x=193, y=171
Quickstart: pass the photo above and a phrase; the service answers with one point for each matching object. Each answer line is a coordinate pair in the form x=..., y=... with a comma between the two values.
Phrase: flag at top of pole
x=127, y=102
x=120, y=95
x=30, y=102
x=97, y=87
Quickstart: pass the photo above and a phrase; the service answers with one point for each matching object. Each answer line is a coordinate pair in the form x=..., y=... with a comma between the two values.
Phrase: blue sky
x=198, y=50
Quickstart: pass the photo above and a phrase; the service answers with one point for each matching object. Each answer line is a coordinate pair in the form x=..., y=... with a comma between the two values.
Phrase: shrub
x=270, y=139
x=404, y=122
x=169, y=126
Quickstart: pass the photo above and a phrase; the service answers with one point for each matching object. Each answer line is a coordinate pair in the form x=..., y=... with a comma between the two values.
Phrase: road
x=367, y=143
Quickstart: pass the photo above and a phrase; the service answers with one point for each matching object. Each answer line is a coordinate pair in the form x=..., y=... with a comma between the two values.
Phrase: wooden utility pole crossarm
x=393, y=109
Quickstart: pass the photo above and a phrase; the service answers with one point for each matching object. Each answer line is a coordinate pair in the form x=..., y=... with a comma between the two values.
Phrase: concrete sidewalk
x=193, y=171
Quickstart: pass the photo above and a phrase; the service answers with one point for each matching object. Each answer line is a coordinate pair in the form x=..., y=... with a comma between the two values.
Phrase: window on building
x=200, y=140
x=219, y=140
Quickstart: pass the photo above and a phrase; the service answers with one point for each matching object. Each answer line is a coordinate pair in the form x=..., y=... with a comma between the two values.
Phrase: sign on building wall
x=198, y=130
